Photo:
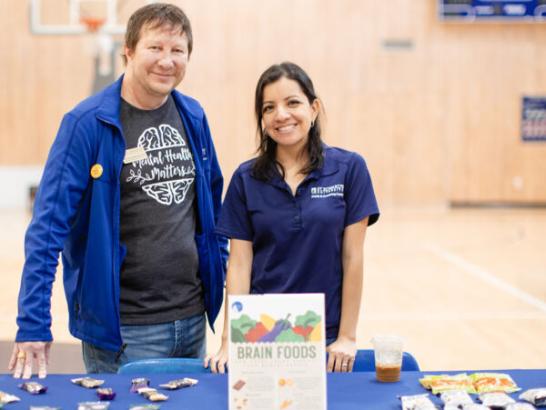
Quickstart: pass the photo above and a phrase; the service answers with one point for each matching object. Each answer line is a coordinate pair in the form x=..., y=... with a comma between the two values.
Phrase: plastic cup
x=388, y=358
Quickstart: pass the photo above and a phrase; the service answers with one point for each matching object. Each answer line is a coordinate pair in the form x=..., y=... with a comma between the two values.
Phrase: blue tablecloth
x=345, y=391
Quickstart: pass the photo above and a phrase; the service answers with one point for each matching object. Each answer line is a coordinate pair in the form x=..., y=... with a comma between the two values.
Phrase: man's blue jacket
x=78, y=215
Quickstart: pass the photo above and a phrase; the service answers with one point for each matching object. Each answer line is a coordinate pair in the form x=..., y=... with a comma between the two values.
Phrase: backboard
x=73, y=17
x=101, y=22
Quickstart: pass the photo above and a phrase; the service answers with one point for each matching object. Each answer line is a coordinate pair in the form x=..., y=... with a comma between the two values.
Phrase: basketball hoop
x=102, y=43
x=93, y=24
x=96, y=23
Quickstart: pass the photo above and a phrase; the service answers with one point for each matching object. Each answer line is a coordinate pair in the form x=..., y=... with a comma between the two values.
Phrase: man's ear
x=128, y=52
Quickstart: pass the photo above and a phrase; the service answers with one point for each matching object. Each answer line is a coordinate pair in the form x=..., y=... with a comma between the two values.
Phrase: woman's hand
x=341, y=355
x=237, y=283
x=218, y=362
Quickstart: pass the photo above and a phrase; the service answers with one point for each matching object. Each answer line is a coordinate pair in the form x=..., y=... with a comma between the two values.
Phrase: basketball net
x=101, y=44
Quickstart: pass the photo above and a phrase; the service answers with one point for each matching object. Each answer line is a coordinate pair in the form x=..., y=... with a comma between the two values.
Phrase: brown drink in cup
x=388, y=358
x=386, y=373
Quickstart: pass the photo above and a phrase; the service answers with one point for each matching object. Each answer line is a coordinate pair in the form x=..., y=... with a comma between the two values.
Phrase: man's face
x=158, y=62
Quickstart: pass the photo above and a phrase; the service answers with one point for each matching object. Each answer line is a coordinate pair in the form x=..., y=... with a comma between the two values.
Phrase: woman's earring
x=312, y=123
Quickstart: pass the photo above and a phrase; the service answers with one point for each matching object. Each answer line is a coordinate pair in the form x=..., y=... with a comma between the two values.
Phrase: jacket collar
x=111, y=101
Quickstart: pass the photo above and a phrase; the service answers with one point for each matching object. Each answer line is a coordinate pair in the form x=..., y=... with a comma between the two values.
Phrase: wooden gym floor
x=466, y=288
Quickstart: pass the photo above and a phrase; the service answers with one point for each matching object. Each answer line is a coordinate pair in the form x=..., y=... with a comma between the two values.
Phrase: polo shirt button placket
x=297, y=221
x=297, y=208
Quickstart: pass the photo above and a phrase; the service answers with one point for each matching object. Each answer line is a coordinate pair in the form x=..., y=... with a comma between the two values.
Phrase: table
x=345, y=391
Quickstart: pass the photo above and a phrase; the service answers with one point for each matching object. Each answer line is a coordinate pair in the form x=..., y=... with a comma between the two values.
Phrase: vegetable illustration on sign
x=306, y=328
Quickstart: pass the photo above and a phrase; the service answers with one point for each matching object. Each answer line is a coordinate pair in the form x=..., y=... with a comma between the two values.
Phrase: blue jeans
x=181, y=338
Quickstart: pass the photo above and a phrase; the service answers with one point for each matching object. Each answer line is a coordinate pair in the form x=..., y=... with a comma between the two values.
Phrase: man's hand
x=25, y=354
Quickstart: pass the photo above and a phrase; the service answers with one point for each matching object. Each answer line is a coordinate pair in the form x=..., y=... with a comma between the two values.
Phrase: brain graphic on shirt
x=164, y=136
x=154, y=140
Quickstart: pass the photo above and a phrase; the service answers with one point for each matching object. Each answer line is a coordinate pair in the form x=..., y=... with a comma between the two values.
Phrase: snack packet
x=179, y=383
x=493, y=382
x=535, y=396
x=520, y=406
x=144, y=407
x=33, y=387
x=44, y=408
x=496, y=399
x=94, y=405
x=106, y=393
x=138, y=384
x=152, y=394
x=146, y=390
x=474, y=406
x=455, y=398
x=444, y=382
x=6, y=398
x=87, y=382
x=417, y=402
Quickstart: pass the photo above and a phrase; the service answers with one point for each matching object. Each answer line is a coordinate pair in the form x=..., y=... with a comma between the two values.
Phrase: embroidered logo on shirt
x=327, y=191
x=168, y=171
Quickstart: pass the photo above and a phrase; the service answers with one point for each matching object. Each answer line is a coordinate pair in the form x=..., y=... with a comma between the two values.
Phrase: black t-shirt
x=159, y=275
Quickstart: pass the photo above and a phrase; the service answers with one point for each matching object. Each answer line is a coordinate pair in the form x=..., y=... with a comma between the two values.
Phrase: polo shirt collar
x=329, y=167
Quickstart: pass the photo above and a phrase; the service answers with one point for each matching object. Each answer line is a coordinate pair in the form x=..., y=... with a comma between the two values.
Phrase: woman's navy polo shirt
x=297, y=239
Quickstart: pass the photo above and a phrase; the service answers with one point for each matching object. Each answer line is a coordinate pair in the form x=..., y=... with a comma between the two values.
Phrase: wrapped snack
x=152, y=394
x=179, y=383
x=520, y=406
x=145, y=390
x=6, y=398
x=138, y=384
x=444, y=382
x=496, y=400
x=106, y=393
x=144, y=407
x=44, y=408
x=417, y=402
x=455, y=398
x=87, y=382
x=94, y=405
x=493, y=382
x=156, y=396
x=474, y=406
x=33, y=388
x=535, y=396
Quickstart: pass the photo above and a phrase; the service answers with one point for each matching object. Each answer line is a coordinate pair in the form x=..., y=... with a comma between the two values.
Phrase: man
x=130, y=195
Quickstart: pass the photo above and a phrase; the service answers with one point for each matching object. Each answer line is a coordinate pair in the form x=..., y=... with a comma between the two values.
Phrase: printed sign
x=533, y=119
x=532, y=10
x=277, y=352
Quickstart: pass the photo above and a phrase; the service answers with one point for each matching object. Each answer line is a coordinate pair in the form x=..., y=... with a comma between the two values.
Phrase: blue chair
x=169, y=365
x=365, y=361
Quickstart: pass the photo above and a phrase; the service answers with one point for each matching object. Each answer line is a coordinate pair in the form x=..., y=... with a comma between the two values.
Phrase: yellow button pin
x=96, y=171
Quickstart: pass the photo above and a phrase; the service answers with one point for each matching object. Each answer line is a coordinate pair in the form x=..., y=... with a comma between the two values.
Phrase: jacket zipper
x=115, y=246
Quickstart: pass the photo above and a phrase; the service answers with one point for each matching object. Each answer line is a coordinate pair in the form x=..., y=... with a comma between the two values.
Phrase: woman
x=297, y=214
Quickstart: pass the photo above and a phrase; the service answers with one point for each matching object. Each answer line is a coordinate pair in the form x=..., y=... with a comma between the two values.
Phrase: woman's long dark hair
x=265, y=167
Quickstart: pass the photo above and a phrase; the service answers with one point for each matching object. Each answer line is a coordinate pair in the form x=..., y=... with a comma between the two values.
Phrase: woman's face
x=287, y=114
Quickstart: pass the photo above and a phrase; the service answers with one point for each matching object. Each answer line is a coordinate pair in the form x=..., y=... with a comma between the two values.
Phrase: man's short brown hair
x=153, y=16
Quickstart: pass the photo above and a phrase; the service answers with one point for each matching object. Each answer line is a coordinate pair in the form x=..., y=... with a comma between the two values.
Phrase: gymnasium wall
x=434, y=107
